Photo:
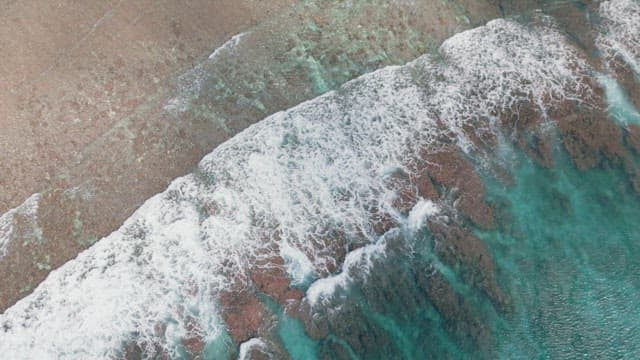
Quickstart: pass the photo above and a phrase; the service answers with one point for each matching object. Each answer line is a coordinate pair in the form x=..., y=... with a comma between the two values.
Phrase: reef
x=363, y=215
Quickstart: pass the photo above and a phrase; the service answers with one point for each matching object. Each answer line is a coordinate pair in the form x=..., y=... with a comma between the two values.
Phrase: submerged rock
x=271, y=278
x=244, y=314
x=628, y=79
x=460, y=248
x=633, y=137
x=451, y=170
x=591, y=138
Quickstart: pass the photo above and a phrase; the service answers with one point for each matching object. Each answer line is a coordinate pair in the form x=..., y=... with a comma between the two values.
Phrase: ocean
x=479, y=201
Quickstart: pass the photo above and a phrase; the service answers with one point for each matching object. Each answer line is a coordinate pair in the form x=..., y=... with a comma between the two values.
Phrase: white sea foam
x=496, y=66
x=360, y=261
x=620, y=106
x=299, y=267
x=421, y=211
x=620, y=33
x=249, y=345
x=288, y=180
x=357, y=263
x=27, y=212
x=227, y=46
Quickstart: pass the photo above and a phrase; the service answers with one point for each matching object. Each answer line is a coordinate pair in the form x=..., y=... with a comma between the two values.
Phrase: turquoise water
x=567, y=251
x=297, y=343
x=292, y=334
x=221, y=345
x=567, y=248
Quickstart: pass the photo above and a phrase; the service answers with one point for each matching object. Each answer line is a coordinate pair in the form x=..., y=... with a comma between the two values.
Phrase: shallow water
x=300, y=181
x=567, y=250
